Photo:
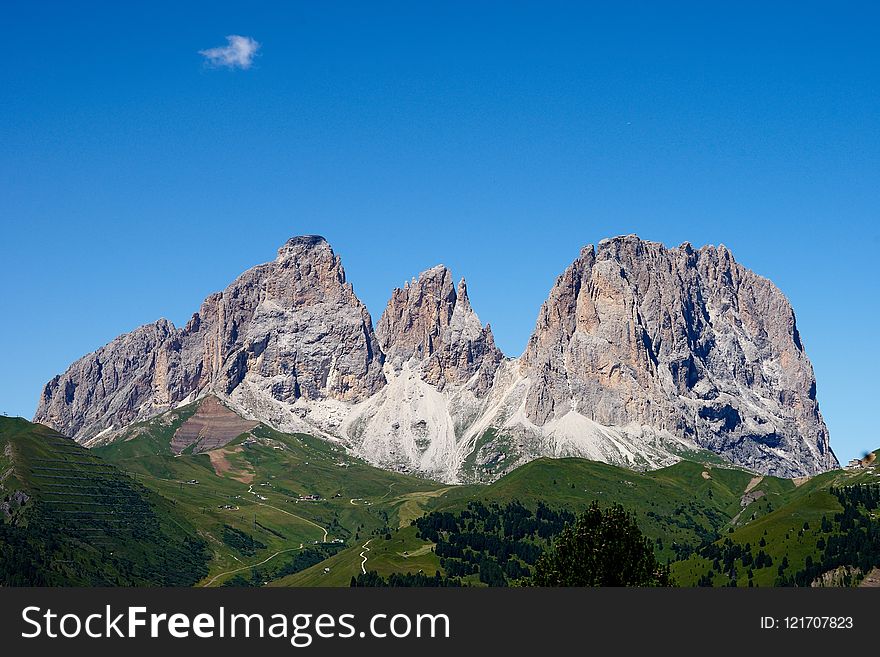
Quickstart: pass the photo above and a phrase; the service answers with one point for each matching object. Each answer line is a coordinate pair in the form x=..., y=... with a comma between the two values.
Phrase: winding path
x=363, y=556
x=229, y=572
x=314, y=524
x=390, y=486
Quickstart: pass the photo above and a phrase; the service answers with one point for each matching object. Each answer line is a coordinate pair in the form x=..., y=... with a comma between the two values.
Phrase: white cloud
x=238, y=54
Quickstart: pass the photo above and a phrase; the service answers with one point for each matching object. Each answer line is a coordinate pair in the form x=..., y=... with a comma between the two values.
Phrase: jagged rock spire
x=431, y=323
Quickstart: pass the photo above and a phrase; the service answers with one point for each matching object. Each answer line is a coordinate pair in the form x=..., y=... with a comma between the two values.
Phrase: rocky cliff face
x=431, y=322
x=287, y=330
x=685, y=341
x=115, y=384
x=640, y=354
x=440, y=367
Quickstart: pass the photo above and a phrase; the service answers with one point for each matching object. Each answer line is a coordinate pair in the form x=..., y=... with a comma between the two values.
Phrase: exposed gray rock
x=640, y=353
x=293, y=327
x=17, y=500
x=431, y=322
x=683, y=340
x=440, y=367
x=110, y=386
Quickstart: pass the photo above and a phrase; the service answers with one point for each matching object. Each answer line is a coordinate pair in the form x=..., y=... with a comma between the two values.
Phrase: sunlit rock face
x=639, y=355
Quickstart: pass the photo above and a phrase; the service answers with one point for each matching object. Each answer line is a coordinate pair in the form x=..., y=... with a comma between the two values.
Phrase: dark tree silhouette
x=601, y=548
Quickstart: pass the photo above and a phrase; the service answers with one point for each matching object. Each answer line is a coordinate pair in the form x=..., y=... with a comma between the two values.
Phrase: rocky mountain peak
x=416, y=315
x=639, y=352
x=108, y=382
x=461, y=293
x=689, y=342
x=431, y=322
x=287, y=330
x=302, y=244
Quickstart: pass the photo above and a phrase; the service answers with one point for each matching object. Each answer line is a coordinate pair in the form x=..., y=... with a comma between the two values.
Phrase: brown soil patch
x=706, y=475
x=211, y=426
x=754, y=482
x=222, y=465
x=800, y=481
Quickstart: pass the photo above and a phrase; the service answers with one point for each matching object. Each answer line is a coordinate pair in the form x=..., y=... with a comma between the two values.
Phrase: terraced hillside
x=68, y=517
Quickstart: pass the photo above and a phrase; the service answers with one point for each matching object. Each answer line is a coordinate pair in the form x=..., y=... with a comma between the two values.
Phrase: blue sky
x=497, y=138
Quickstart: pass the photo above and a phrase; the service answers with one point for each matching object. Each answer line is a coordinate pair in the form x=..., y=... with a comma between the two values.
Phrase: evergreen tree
x=601, y=548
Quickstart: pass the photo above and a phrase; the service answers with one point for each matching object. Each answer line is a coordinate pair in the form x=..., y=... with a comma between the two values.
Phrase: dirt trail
x=363, y=556
x=293, y=515
x=749, y=495
x=314, y=524
x=412, y=504
x=388, y=492
x=229, y=572
x=417, y=553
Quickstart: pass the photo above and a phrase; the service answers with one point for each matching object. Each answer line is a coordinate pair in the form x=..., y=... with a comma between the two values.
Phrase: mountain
x=686, y=342
x=441, y=364
x=430, y=323
x=640, y=356
x=284, y=331
x=296, y=510
x=70, y=518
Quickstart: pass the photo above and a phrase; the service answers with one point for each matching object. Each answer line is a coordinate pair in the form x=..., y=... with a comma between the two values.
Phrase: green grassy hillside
x=398, y=551
x=678, y=507
x=796, y=526
x=685, y=510
x=69, y=518
x=295, y=510
x=258, y=483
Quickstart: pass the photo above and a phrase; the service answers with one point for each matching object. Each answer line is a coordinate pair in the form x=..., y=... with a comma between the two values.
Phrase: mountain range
x=641, y=355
